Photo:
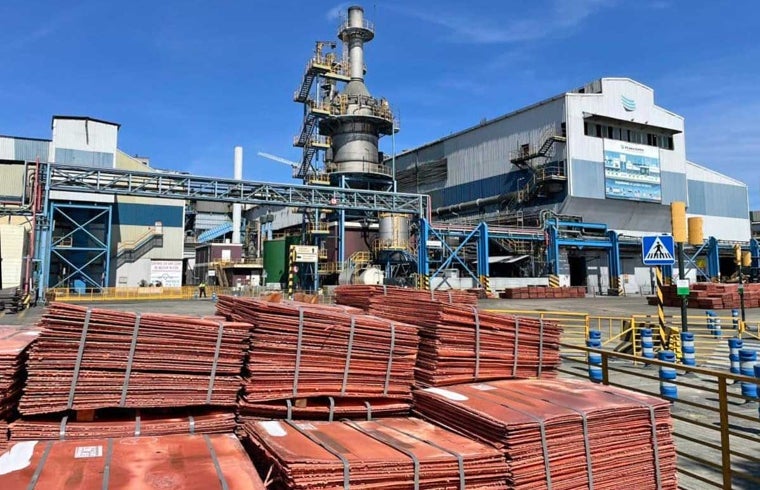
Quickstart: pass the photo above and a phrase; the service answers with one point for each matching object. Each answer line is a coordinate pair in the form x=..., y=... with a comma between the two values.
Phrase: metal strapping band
x=477, y=341
x=541, y=428
x=460, y=459
x=137, y=424
x=383, y=440
x=219, y=473
x=40, y=465
x=332, y=408
x=107, y=467
x=329, y=449
x=78, y=364
x=432, y=295
x=517, y=341
x=369, y=410
x=62, y=431
x=451, y=300
x=298, y=351
x=385, y=290
x=540, y=345
x=390, y=359
x=130, y=359
x=289, y=414
x=211, y=380
x=586, y=441
x=191, y=421
x=653, y=425
x=347, y=366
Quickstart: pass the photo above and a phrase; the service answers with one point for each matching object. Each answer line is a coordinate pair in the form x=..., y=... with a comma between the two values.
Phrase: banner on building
x=167, y=272
x=632, y=171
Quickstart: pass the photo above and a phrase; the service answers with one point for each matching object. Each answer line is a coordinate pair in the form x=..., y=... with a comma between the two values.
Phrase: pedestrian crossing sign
x=658, y=250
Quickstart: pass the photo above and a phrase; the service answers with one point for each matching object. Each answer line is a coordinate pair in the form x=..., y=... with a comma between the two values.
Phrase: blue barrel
x=735, y=318
x=594, y=359
x=748, y=361
x=647, y=344
x=717, y=333
x=668, y=388
x=709, y=314
x=687, y=347
x=734, y=345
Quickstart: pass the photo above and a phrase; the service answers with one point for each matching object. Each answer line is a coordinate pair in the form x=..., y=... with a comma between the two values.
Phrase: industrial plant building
x=603, y=153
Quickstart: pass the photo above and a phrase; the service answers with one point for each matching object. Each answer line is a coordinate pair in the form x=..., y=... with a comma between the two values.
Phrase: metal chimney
x=237, y=208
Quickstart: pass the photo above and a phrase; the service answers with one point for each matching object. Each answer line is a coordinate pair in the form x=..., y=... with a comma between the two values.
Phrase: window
x=609, y=132
x=625, y=134
x=564, y=129
x=525, y=149
x=598, y=130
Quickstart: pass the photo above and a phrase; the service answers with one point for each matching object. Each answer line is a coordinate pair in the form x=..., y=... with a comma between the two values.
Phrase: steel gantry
x=55, y=177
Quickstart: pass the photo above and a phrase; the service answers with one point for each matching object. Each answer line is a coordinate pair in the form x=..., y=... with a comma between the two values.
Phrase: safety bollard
x=668, y=375
x=717, y=333
x=687, y=347
x=647, y=343
x=757, y=375
x=734, y=345
x=709, y=314
x=748, y=360
x=594, y=341
x=735, y=318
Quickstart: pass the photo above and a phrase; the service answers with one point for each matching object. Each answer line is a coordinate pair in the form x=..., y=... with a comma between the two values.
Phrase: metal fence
x=716, y=429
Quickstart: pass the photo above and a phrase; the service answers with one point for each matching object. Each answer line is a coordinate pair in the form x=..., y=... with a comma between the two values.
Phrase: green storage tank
x=275, y=261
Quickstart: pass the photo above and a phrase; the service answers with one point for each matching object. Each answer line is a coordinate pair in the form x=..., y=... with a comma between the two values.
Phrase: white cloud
x=337, y=11
x=480, y=27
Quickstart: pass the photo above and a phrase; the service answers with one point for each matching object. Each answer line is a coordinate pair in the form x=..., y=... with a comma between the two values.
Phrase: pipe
x=35, y=209
x=237, y=208
x=462, y=206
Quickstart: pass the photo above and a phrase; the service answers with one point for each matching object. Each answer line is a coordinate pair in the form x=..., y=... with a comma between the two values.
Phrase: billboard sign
x=632, y=171
x=167, y=272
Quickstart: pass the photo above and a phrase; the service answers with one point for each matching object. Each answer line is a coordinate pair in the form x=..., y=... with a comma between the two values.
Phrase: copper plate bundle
x=563, y=433
x=145, y=423
x=14, y=344
x=360, y=296
x=396, y=453
x=97, y=358
x=303, y=350
x=324, y=408
x=199, y=462
x=461, y=344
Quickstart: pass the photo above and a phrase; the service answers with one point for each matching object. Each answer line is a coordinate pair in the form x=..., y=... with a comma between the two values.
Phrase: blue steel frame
x=479, y=234
x=101, y=247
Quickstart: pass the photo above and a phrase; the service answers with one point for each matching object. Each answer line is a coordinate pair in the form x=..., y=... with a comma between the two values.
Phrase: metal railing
x=715, y=428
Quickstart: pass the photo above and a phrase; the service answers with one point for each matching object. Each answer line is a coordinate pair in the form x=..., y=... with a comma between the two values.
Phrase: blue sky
x=190, y=80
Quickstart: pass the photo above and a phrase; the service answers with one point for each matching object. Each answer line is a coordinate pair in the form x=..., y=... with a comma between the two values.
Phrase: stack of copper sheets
x=303, y=350
x=324, y=408
x=123, y=425
x=95, y=358
x=390, y=454
x=361, y=296
x=461, y=344
x=565, y=432
x=189, y=462
x=14, y=344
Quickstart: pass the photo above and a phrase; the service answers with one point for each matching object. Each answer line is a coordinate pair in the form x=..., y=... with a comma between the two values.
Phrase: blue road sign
x=658, y=250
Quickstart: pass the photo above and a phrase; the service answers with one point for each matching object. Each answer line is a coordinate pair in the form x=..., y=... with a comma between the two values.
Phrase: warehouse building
x=603, y=153
x=98, y=240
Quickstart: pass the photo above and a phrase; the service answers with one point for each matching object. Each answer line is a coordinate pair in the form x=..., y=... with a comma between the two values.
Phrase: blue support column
x=615, y=268
x=552, y=250
x=423, y=265
x=342, y=228
x=754, y=249
x=713, y=259
x=483, y=266
x=667, y=274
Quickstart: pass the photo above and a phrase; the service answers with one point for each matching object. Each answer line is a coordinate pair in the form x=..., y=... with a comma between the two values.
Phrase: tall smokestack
x=237, y=208
x=356, y=42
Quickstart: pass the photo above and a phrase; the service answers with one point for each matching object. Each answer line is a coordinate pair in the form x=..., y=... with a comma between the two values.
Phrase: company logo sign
x=628, y=104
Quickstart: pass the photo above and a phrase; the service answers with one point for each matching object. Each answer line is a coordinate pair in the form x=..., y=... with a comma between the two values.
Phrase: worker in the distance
x=202, y=290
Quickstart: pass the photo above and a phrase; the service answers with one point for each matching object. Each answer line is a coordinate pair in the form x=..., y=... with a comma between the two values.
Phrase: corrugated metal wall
x=12, y=181
x=31, y=150
x=95, y=159
x=7, y=148
x=710, y=198
x=13, y=246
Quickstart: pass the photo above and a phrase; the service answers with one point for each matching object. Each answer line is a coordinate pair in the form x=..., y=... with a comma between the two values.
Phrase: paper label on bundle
x=273, y=428
x=306, y=426
x=483, y=387
x=451, y=395
x=17, y=458
x=88, y=452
